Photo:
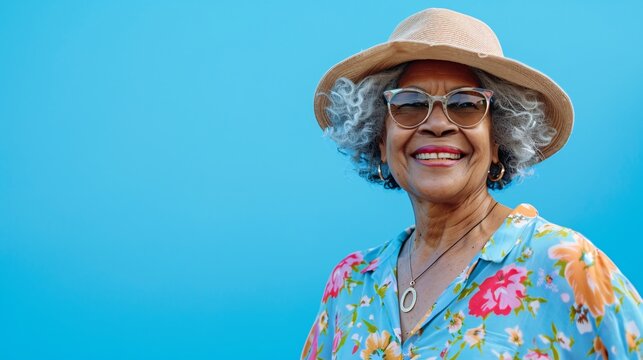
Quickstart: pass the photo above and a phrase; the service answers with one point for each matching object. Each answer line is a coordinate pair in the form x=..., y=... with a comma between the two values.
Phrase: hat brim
x=559, y=110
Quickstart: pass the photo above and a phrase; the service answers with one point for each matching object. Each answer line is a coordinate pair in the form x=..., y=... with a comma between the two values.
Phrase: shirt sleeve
x=319, y=342
x=619, y=329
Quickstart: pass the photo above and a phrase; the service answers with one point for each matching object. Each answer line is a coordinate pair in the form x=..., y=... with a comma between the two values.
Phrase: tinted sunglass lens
x=466, y=108
x=409, y=108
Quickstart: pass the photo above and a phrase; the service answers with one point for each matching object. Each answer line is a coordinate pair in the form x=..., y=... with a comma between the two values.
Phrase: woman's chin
x=437, y=191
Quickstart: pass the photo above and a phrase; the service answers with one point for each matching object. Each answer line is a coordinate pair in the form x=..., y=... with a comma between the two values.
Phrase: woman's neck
x=439, y=225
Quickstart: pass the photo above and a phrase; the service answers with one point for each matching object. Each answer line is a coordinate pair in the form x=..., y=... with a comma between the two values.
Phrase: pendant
x=414, y=296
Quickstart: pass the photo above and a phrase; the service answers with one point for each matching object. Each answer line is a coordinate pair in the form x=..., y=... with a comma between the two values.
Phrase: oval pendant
x=409, y=290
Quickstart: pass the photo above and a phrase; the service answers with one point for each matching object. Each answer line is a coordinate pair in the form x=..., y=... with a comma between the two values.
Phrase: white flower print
x=504, y=356
x=563, y=340
x=365, y=301
x=475, y=336
x=534, y=306
x=456, y=322
x=547, y=279
x=515, y=335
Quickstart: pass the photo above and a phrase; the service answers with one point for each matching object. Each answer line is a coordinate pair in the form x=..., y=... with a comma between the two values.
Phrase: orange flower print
x=379, y=346
x=588, y=271
x=526, y=210
x=632, y=336
x=522, y=215
x=599, y=349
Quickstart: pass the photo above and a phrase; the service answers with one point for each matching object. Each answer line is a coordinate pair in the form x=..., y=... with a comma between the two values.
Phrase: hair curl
x=357, y=113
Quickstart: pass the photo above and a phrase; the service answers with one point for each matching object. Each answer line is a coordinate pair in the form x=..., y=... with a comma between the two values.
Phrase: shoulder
x=578, y=278
x=567, y=254
x=350, y=271
x=550, y=241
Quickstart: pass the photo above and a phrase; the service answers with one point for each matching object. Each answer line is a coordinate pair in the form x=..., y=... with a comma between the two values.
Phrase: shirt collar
x=508, y=235
x=500, y=244
x=389, y=249
x=382, y=262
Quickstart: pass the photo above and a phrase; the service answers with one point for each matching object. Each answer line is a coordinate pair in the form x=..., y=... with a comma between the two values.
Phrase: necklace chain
x=411, y=289
x=413, y=279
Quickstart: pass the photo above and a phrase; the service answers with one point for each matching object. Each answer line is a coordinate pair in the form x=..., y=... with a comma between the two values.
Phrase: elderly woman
x=439, y=112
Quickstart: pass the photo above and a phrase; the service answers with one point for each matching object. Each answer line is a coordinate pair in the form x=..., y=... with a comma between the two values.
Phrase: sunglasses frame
x=388, y=95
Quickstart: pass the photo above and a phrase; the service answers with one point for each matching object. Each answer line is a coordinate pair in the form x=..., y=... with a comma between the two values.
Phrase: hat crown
x=445, y=35
x=447, y=27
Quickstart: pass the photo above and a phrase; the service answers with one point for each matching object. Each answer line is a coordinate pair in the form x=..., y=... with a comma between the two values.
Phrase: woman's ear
x=382, y=146
x=495, y=156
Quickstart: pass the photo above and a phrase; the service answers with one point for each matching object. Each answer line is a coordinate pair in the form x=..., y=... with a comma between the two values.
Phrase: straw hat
x=441, y=34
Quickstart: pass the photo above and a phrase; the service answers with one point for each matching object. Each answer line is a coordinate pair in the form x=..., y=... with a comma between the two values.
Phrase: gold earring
x=379, y=172
x=499, y=176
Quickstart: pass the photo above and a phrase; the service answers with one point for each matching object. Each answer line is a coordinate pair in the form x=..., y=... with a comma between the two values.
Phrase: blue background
x=165, y=192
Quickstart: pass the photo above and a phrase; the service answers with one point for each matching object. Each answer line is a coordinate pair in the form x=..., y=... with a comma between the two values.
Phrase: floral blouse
x=535, y=291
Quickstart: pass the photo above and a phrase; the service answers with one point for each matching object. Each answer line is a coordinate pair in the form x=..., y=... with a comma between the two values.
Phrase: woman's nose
x=437, y=124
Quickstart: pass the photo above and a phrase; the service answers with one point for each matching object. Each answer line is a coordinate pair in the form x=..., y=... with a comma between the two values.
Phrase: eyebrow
x=414, y=87
x=448, y=91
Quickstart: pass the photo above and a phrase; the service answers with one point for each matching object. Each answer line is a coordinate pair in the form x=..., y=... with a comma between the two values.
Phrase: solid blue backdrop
x=166, y=192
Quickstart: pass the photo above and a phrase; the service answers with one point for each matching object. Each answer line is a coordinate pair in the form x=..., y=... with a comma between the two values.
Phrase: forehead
x=429, y=73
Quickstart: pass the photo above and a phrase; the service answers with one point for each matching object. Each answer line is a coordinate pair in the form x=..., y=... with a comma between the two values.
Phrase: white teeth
x=428, y=156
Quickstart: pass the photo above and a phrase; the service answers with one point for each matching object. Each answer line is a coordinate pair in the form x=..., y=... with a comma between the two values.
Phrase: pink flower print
x=336, y=339
x=499, y=293
x=445, y=350
x=372, y=266
x=310, y=347
x=536, y=355
x=358, y=341
x=340, y=274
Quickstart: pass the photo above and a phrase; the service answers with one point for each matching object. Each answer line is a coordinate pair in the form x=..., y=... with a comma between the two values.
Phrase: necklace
x=411, y=289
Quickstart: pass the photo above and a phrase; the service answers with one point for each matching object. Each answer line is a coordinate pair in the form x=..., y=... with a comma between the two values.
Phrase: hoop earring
x=379, y=172
x=499, y=176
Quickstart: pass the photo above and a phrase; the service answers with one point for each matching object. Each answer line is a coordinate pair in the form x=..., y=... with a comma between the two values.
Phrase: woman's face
x=442, y=181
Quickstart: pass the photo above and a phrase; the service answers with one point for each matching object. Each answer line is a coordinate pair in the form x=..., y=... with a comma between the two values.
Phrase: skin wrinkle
x=443, y=229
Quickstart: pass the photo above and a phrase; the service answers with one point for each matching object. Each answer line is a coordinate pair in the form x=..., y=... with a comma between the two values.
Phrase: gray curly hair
x=357, y=113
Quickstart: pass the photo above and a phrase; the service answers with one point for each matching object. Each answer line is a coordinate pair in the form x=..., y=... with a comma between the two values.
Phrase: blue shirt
x=535, y=291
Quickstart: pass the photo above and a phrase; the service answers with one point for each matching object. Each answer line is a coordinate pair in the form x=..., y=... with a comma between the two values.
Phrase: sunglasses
x=464, y=107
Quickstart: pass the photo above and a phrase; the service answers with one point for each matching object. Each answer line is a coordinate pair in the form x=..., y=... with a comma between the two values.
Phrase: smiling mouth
x=438, y=156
